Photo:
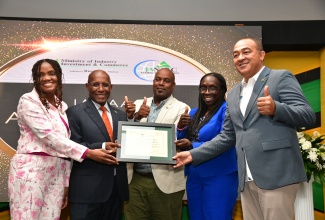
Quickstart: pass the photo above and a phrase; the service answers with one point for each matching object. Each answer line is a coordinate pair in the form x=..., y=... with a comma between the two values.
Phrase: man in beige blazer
x=156, y=190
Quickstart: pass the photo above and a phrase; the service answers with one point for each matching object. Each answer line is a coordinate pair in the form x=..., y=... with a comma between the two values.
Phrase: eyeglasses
x=97, y=85
x=211, y=89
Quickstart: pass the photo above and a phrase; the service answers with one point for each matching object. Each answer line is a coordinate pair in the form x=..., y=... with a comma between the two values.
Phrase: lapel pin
x=262, y=80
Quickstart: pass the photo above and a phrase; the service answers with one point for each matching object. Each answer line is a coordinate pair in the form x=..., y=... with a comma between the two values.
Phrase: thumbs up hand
x=144, y=101
x=186, y=110
x=129, y=107
x=143, y=111
x=185, y=119
x=265, y=104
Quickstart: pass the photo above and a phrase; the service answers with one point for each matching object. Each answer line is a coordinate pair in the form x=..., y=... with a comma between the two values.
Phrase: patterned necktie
x=107, y=122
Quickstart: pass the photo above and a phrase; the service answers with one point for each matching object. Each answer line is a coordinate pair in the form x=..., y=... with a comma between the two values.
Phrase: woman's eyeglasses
x=211, y=89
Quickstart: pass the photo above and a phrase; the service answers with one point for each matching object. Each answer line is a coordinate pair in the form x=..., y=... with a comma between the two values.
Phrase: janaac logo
x=146, y=70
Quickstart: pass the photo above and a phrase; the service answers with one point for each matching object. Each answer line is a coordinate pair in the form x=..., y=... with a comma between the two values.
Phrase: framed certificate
x=146, y=142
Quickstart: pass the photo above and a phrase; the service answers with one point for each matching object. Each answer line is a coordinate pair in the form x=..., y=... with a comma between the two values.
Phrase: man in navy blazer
x=263, y=112
x=96, y=191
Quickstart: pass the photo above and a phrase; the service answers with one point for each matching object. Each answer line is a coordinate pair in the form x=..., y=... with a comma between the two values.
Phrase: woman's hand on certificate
x=101, y=156
x=183, y=144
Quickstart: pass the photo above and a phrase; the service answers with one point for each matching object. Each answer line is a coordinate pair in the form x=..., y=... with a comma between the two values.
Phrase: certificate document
x=151, y=142
x=146, y=142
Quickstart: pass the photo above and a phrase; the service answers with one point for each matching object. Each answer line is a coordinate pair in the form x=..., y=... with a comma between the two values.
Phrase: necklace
x=206, y=113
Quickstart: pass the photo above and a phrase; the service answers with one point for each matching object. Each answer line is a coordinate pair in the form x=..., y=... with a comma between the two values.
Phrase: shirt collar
x=98, y=105
x=254, y=77
x=162, y=103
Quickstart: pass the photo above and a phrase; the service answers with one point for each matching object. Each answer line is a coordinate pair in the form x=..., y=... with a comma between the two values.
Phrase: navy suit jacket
x=90, y=181
x=270, y=144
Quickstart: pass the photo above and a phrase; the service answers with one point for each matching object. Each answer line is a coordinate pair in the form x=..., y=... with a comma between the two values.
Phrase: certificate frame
x=151, y=142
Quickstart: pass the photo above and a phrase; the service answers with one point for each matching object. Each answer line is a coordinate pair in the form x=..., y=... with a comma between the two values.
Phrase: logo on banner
x=146, y=70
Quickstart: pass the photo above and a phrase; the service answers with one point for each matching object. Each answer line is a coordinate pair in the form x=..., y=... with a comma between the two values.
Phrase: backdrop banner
x=129, y=53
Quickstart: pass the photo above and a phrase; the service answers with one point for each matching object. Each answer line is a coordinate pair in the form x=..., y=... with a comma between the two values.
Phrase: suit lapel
x=94, y=115
x=236, y=97
x=259, y=85
x=168, y=105
x=115, y=118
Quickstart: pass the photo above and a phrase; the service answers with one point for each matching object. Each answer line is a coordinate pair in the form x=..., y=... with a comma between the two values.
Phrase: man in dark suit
x=96, y=191
x=263, y=112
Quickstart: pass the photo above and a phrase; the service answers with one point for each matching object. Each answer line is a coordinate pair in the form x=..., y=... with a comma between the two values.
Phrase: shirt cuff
x=135, y=120
x=104, y=145
x=84, y=155
x=180, y=129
